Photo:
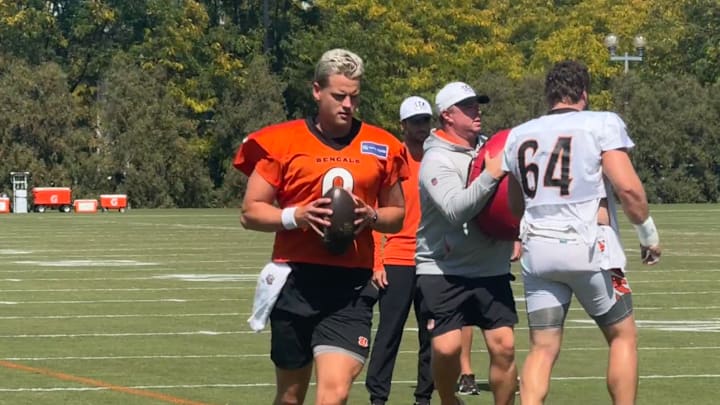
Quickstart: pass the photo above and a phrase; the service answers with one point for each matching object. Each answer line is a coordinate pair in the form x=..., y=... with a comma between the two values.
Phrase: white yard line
x=269, y=384
x=241, y=314
x=676, y=292
x=125, y=334
x=121, y=316
x=127, y=269
x=131, y=289
x=235, y=332
x=123, y=301
x=152, y=247
x=267, y=355
x=237, y=278
x=251, y=278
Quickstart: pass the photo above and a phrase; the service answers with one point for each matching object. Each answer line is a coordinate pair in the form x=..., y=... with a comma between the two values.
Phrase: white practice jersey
x=557, y=161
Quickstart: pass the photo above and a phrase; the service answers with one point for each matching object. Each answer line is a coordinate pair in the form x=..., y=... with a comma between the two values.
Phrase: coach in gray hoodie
x=464, y=275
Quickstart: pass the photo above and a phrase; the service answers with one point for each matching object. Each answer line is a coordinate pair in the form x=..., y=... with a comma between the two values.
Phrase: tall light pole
x=611, y=43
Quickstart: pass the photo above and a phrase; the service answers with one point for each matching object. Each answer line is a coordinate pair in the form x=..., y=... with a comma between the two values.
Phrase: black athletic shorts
x=452, y=302
x=323, y=306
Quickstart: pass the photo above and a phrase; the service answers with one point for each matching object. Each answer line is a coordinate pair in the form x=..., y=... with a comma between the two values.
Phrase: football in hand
x=341, y=233
x=495, y=220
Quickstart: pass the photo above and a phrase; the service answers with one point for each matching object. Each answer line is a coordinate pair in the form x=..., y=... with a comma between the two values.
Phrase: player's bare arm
x=517, y=251
x=515, y=197
x=618, y=168
x=517, y=208
x=259, y=213
x=388, y=217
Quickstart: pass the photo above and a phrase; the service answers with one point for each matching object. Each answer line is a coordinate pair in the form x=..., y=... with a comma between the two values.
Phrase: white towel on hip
x=271, y=280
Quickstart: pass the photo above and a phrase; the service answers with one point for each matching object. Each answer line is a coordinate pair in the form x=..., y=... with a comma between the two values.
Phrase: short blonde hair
x=338, y=61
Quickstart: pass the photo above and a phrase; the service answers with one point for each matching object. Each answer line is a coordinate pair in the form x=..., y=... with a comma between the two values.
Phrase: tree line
x=152, y=97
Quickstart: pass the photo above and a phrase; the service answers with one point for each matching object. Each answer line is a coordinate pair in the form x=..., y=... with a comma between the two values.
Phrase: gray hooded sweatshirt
x=448, y=240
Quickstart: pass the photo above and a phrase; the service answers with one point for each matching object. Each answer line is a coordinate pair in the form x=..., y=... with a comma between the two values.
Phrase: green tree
x=69, y=100
x=512, y=101
x=676, y=140
x=150, y=141
x=701, y=42
x=41, y=130
x=29, y=30
x=258, y=104
x=409, y=48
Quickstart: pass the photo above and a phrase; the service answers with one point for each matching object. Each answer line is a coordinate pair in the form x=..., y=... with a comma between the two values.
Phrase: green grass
x=156, y=301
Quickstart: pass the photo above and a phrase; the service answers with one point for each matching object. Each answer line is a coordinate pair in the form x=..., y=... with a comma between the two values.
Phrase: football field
x=150, y=307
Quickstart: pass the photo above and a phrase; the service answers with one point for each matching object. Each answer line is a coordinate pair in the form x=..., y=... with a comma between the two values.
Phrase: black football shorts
x=451, y=302
x=322, y=306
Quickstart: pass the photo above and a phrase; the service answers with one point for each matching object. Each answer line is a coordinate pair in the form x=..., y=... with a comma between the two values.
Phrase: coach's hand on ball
x=493, y=165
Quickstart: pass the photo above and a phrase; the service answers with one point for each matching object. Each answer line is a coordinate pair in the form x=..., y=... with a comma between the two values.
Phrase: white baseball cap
x=454, y=93
x=413, y=106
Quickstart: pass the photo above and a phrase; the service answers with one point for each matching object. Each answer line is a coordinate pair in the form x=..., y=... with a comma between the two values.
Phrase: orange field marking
x=100, y=384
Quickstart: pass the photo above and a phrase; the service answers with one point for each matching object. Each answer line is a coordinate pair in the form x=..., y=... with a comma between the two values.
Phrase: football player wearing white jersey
x=564, y=168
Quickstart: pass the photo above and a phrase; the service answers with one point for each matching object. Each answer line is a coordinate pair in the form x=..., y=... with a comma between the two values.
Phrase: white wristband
x=647, y=233
x=288, y=218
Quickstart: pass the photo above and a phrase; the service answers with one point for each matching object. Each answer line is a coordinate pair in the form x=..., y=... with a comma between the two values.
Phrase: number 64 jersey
x=557, y=159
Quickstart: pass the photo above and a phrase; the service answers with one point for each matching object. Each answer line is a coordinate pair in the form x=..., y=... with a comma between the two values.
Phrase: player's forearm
x=515, y=194
x=634, y=204
x=626, y=183
x=389, y=219
x=260, y=216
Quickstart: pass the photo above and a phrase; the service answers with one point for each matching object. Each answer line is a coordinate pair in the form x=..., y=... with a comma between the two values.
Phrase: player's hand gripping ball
x=341, y=233
x=495, y=220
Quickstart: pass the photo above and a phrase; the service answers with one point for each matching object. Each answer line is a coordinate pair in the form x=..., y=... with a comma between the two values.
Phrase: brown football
x=341, y=233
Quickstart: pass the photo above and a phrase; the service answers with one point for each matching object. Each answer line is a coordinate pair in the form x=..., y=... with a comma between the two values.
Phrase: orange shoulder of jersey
x=264, y=144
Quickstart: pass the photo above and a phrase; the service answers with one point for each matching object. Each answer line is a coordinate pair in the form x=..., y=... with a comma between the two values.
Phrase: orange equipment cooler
x=52, y=197
x=4, y=205
x=113, y=202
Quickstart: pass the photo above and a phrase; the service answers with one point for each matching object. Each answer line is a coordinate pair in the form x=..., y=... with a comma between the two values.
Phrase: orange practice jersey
x=399, y=248
x=295, y=159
